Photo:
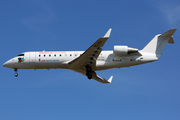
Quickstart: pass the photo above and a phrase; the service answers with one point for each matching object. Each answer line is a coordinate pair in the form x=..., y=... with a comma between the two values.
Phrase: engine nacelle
x=123, y=50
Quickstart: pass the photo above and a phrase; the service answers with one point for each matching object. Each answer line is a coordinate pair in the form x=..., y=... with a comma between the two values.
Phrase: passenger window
x=54, y=55
x=39, y=55
x=49, y=55
x=70, y=55
x=60, y=55
x=44, y=55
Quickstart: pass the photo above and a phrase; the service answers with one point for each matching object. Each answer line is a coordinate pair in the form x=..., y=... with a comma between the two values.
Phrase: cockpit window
x=21, y=55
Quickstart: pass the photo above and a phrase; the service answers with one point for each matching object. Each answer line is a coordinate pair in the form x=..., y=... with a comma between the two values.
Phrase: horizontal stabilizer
x=171, y=40
x=168, y=33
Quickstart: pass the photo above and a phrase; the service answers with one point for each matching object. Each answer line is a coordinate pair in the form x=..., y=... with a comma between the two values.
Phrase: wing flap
x=168, y=33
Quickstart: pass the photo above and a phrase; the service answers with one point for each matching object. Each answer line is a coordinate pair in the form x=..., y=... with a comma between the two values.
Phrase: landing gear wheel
x=16, y=74
x=88, y=72
x=88, y=69
x=89, y=76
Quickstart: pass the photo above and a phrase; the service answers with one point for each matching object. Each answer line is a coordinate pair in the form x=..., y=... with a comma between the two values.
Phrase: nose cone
x=9, y=63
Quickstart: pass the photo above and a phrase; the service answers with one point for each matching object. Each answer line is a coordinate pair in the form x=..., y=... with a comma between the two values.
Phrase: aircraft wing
x=94, y=76
x=89, y=58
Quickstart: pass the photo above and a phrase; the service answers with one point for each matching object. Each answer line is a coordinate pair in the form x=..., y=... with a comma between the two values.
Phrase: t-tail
x=157, y=44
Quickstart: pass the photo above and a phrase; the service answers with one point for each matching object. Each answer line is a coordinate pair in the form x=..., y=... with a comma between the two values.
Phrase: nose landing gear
x=16, y=74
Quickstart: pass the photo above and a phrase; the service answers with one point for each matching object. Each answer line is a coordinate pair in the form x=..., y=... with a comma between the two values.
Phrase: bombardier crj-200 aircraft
x=93, y=59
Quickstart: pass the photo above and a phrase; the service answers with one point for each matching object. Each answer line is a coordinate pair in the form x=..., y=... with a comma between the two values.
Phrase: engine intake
x=123, y=50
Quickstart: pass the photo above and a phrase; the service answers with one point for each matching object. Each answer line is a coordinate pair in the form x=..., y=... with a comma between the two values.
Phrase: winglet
x=110, y=79
x=108, y=33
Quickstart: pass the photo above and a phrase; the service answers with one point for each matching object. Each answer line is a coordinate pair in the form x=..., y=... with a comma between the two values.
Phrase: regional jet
x=93, y=59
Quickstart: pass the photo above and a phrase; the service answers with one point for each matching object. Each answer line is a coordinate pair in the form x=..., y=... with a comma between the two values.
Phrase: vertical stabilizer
x=157, y=44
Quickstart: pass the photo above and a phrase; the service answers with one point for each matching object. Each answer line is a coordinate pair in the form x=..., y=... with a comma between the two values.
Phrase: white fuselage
x=60, y=60
x=93, y=59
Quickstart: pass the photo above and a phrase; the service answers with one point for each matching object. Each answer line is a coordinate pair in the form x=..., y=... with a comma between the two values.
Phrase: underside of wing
x=86, y=62
x=95, y=76
x=99, y=79
x=90, y=56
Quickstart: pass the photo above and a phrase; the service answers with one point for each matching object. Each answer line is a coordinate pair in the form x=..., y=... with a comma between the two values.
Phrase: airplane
x=93, y=59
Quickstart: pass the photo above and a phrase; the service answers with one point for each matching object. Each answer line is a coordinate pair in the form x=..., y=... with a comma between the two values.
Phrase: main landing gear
x=88, y=72
x=16, y=74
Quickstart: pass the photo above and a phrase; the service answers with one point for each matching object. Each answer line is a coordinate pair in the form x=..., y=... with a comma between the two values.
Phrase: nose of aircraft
x=9, y=63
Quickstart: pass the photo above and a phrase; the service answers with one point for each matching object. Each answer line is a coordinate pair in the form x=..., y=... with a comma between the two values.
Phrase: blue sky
x=145, y=92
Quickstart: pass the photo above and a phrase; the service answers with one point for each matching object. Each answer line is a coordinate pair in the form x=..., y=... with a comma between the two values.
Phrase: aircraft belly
x=102, y=65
